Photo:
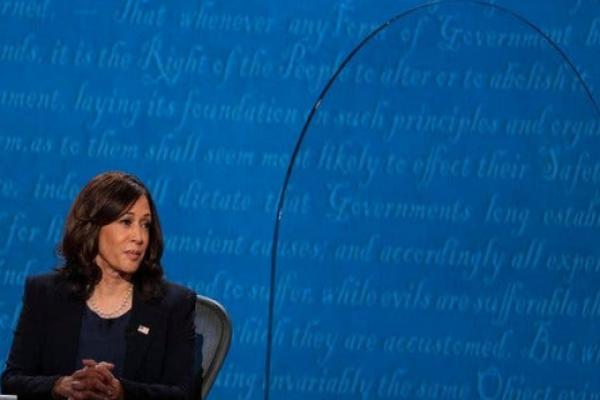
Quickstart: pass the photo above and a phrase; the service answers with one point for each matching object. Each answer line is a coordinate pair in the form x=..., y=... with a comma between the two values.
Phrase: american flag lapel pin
x=143, y=329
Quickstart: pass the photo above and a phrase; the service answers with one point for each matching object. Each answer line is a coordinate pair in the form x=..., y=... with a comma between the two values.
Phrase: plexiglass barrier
x=440, y=220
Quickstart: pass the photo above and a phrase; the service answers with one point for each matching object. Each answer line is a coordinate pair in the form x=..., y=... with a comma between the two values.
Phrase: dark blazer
x=158, y=363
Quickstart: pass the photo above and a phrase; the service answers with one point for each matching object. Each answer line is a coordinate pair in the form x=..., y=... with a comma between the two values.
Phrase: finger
x=88, y=373
x=79, y=385
x=107, y=365
x=80, y=373
x=92, y=391
x=75, y=384
x=92, y=380
x=78, y=396
x=117, y=388
x=85, y=373
x=89, y=395
x=100, y=386
x=106, y=374
x=88, y=362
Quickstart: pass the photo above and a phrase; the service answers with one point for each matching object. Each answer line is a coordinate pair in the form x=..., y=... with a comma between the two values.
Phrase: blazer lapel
x=144, y=317
x=69, y=323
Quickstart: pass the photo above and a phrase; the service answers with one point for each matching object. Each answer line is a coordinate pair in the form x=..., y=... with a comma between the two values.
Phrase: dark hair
x=102, y=201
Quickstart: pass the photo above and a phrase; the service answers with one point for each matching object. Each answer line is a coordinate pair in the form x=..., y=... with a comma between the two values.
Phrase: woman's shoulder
x=46, y=280
x=175, y=293
x=45, y=286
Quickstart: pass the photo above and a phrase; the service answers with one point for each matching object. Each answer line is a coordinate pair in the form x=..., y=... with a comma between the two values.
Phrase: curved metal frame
x=316, y=105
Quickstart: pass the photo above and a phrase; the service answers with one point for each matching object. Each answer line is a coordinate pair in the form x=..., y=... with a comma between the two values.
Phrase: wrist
x=57, y=391
x=119, y=390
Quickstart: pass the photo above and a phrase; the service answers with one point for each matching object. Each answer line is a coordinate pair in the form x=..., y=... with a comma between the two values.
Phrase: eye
x=125, y=221
x=147, y=224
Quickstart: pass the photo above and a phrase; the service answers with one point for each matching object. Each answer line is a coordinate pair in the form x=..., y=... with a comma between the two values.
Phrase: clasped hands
x=95, y=381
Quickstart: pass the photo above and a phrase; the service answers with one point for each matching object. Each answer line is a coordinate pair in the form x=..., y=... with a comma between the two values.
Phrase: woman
x=106, y=325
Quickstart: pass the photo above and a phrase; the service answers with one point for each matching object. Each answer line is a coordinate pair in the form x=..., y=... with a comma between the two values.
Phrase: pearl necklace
x=95, y=308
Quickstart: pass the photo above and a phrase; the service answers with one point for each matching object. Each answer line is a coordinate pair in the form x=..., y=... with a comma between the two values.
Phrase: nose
x=138, y=234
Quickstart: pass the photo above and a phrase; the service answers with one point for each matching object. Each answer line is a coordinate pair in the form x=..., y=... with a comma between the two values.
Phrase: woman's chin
x=129, y=269
x=124, y=270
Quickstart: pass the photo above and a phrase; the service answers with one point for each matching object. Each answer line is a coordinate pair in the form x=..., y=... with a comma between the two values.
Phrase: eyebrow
x=145, y=215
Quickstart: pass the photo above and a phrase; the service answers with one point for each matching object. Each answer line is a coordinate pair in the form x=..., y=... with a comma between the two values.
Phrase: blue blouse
x=103, y=339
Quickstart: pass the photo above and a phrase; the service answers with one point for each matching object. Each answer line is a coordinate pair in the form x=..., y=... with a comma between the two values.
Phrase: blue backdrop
x=438, y=235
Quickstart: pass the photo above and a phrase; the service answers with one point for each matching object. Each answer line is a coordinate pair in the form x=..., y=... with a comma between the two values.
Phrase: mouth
x=133, y=255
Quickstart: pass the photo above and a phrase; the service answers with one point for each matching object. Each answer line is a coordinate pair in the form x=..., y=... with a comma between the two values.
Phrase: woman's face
x=122, y=243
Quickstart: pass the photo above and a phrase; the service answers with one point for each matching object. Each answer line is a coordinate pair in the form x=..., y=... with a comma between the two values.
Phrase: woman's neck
x=112, y=296
x=111, y=282
x=109, y=287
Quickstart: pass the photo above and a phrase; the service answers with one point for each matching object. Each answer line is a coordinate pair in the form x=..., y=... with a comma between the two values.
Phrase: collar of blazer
x=145, y=317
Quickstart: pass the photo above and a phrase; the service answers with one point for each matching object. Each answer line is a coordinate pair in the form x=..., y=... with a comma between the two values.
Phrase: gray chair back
x=213, y=337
